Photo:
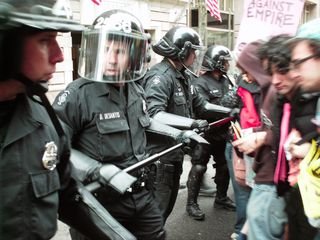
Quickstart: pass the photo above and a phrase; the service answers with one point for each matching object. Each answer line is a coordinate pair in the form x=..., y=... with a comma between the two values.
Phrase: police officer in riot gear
x=34, y=166
x=213, y=86
x=172, y=100
x=107, y=115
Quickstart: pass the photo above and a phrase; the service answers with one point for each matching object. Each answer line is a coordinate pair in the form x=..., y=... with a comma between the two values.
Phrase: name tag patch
x=111, y=115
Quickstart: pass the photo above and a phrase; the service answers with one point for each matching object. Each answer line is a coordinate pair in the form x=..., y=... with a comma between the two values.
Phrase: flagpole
x=202, y=21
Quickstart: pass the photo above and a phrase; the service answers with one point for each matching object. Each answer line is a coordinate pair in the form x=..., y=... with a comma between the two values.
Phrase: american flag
x=213, y=7
x=96, y=2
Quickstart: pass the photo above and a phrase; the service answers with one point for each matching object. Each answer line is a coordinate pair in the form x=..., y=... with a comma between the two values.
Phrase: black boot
x=194, y=211
x=224, y=203
x=193, y=184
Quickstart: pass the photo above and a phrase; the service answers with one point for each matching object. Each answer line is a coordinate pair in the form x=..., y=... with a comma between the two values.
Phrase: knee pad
x=200, y=160
x=199, y=168
x=201, y=153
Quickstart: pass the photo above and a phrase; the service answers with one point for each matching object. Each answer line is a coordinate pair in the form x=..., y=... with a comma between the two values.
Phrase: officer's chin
x=119, y=84
x=114, y=80
x=44, y=84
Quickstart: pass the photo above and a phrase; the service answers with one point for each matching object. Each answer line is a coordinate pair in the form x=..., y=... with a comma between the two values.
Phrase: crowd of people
x=120, y=112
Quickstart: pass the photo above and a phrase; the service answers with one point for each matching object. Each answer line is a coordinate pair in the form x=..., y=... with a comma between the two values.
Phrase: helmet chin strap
x=35, y=88
x=177, y=64
x=189, y=70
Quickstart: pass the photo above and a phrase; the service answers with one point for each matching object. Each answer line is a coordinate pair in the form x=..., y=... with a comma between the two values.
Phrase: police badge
x=49, y=159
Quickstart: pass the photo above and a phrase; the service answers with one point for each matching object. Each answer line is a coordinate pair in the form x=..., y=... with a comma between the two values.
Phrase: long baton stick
x=221, y=122
x=151, y=159
x=95, y=185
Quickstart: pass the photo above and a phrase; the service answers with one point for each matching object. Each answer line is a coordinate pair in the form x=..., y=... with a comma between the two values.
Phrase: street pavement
x=218, y=224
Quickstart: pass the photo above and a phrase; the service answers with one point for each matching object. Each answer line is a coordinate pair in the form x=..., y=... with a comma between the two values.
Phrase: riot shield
x=85, y=214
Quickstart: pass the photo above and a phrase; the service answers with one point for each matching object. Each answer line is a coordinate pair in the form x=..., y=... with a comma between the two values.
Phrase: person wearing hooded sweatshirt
x=244, y=96
x=265, y=210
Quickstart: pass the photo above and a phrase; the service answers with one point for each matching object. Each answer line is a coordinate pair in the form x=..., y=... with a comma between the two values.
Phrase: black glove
x=231, y=99
x=200, y=125
x=184, y=137
x=190, y=140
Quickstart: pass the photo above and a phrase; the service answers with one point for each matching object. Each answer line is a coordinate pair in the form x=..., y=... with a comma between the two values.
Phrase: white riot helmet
x=114, y=49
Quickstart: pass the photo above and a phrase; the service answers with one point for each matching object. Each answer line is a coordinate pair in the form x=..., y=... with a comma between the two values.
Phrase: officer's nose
x=111, y=56
x=56, y=54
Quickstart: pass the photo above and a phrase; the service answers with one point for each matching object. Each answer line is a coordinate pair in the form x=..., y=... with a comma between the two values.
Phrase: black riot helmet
x=178, y=44
x=38, y=14
x=215, y=58
x=19, y=19
x=114, y=49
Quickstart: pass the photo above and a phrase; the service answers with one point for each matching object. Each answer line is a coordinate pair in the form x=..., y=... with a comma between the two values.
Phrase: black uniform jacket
x=169, y=90
x=28, y=190
x=103, y=125
x=213, y=90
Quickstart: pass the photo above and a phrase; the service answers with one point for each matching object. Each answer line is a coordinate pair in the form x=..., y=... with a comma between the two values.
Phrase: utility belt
x=136, y=187
x=108, y=194
x=140, y=184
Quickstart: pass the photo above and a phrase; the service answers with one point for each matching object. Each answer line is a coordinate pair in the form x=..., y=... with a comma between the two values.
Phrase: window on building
x=217, y=32
x=227, y=21
x=220, y=37
x=226, y=5
x=308, y=12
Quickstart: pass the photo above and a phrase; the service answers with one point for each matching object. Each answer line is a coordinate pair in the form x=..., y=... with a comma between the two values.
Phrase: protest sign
x=265, y=18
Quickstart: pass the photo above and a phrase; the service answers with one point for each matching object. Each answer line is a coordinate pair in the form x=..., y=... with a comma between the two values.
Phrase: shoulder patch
x=63, y=97
x=156, y=80
x=72, y=88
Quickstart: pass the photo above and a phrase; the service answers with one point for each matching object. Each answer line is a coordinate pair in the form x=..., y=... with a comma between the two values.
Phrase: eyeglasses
x=294, y=64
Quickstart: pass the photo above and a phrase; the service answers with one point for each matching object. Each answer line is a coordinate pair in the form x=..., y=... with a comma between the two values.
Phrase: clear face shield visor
x=193, y=62
x=223, y=64
x=112, y=56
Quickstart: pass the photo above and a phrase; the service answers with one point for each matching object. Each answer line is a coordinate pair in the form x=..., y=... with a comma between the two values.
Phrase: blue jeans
x=241, y=194
x=266, y=213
